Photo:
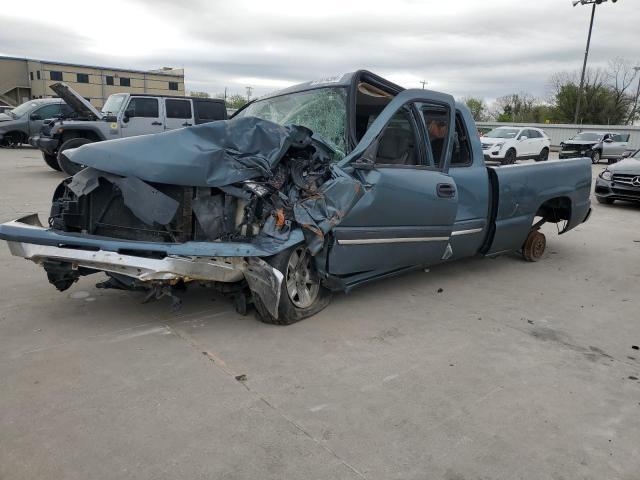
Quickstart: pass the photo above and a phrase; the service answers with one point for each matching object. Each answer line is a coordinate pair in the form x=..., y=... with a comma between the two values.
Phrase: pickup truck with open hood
x=317, y=188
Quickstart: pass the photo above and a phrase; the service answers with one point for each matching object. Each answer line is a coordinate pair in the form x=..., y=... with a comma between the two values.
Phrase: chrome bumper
x=227, y=269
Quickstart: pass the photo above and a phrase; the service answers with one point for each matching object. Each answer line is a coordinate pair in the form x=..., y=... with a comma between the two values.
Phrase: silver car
x=18, y=124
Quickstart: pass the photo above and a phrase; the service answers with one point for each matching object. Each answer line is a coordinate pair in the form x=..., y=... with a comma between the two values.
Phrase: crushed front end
x=212, y=226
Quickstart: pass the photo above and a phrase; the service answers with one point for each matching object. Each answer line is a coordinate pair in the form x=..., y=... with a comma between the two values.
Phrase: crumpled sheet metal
x=320, y=213
x=212, y=154
x=145, y=202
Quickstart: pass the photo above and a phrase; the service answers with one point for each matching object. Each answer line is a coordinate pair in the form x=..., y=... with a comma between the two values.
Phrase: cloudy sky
x=485, y=48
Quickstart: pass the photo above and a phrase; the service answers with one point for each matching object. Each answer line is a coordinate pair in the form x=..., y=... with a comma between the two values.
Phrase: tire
x=534, y=246
x=544, y=155
x=510, y=157
x=51, y=161
x=298, y=268
x=12, y=140
x=595, y=156
x=66, y=165
x=606, y=201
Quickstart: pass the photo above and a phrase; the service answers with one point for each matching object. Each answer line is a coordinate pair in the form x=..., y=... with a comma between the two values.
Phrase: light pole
x=586, y=52
x=635, y=103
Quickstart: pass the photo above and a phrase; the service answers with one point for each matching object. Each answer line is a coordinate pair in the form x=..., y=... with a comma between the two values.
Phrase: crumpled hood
x=207, y=155
x=629, y=166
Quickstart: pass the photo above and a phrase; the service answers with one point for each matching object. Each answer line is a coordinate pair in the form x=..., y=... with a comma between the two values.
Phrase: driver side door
x=408, y=209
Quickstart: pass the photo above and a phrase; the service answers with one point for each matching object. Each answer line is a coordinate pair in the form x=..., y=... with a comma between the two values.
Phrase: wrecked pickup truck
x=317, y=188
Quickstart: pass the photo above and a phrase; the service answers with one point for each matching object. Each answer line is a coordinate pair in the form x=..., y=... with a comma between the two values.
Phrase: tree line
x=232, y=101
x=609, y=97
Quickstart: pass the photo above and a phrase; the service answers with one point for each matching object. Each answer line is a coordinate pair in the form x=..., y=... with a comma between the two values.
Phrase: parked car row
x=596, y=145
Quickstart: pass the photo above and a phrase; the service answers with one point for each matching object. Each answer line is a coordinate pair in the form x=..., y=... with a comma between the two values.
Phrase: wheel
x=534, y=246
x=510, y=157
x=12, y=140
x=66, y=165
x=51, y=161
x=607, y=201
x=595, y=156
x=544, y=155
x=301, y=294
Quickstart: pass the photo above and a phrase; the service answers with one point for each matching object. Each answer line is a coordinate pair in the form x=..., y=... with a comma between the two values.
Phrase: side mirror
x=363, y=165
x=35, y=116
x=128, y=113
x=609, y=140
x=523, y=137
x=110, y=118
x=627, y=154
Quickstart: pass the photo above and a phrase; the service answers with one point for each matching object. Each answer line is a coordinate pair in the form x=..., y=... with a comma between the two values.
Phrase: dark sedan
x=620, y=181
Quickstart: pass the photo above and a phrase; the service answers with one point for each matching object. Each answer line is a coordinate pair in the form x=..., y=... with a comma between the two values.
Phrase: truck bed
x=557, y=190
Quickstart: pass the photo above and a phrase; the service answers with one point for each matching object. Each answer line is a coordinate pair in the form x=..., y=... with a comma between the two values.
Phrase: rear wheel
x=66, y=165
x=544, y=155
x=510, y=157
x=301, y=294
x=595, y=156
x=534, y=246
x=51, y=161
x=607, y=201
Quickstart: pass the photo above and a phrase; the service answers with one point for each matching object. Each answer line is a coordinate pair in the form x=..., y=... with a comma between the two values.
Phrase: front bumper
x=494, y=153
x=47, y=144
x=225, y=262
x=616, y=190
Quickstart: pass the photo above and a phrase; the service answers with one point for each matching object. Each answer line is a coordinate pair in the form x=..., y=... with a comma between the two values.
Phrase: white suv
x=508, y=144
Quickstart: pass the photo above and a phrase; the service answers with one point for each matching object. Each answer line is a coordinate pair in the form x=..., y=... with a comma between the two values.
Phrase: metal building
x=22, y=79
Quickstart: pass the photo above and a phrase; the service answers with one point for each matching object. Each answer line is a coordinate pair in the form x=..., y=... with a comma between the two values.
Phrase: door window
x=461, y=156
x=49, y=111
x=436, y=120
x=620, y=138
x=534, y=134
x=398, y=142
x=178, y=108
x=143, y=107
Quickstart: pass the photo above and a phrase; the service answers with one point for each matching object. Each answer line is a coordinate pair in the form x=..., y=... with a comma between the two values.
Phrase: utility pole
x=635, y=103
x=423, y=82
x=249, y=93
x=594, y=3
x=225, y=95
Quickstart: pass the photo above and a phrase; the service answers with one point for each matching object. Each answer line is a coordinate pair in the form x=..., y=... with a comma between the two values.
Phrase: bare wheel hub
x=302, y=281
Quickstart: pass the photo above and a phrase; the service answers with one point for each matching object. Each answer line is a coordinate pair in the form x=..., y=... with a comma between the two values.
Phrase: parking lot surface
x=481, y=369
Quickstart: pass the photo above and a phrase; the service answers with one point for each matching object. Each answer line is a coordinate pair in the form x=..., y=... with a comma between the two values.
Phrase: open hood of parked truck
x=72, y=98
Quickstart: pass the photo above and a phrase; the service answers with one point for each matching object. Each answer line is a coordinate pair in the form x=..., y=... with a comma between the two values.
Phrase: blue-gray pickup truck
x=317, y=188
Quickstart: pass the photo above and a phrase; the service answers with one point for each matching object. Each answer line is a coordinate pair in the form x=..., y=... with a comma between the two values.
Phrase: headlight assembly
x=606, y=175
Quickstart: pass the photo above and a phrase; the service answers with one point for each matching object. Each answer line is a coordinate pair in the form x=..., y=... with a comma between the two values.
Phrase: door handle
x=186, y=124
x=156, y=123
x=446, y=190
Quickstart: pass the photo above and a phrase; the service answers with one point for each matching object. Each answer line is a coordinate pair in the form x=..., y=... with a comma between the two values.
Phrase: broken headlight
x=606, y=175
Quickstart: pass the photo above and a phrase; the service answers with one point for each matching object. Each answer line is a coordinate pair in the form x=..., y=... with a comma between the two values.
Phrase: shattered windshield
x=588, y=136
x=324, y=111
x=503, y=133
x=113, y=104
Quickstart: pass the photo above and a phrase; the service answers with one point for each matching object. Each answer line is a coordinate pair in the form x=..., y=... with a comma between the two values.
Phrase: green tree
x=478, y=108
x=236, y=101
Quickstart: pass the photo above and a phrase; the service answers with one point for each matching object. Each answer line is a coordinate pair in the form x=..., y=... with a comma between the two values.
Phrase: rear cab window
x=209, y=111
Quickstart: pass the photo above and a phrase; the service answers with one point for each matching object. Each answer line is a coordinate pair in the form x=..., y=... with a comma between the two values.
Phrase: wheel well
x=22, y=137
x=555, y=210
x=88, y=134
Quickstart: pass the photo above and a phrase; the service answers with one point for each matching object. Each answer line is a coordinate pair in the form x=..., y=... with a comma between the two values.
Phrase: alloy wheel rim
x=302, y=282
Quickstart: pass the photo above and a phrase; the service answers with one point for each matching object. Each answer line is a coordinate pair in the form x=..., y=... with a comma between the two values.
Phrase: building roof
x=163, y=71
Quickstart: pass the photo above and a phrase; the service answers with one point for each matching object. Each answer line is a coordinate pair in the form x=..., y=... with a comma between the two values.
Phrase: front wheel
x=66, y=165
x=510, y=157
x=51, y=161
x=544, y=155
x=595, y=156
x=301, y=294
